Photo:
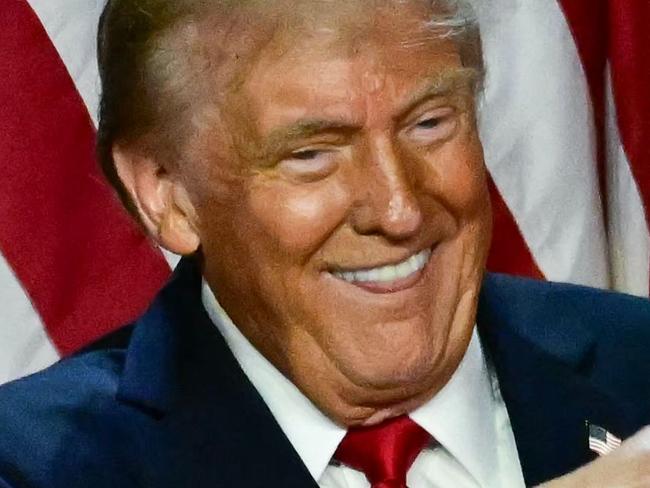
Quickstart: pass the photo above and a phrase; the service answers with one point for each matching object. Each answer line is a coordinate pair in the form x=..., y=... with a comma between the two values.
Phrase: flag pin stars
x=601, y=441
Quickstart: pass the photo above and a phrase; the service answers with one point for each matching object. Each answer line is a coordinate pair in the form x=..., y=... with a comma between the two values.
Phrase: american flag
x=565, y=122
x=602, y=441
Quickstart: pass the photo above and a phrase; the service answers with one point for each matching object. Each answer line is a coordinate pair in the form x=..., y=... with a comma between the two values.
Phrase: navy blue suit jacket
x=163, y=403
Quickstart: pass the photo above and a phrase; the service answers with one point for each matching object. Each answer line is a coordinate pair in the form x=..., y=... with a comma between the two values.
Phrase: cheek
x=460, y=178
x=299, y=218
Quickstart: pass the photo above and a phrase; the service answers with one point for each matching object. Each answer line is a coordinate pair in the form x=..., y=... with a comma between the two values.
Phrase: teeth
x=362, y=276
x=388, y=273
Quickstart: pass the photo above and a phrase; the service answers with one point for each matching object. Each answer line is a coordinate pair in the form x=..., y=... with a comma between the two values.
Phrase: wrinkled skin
x=338, y=145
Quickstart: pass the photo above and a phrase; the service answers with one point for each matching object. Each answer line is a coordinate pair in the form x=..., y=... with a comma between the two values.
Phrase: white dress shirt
x=475, y=445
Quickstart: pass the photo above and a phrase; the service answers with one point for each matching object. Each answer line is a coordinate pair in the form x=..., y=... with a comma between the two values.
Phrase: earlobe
x=163, y=205
x=177, y=230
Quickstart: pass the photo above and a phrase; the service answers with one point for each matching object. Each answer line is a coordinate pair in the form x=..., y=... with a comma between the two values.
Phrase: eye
x=306, y=154
x=434, y=126
x=309, y=164
x=429, y=123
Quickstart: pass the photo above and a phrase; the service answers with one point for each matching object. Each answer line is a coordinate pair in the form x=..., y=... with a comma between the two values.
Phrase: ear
x=163, y=203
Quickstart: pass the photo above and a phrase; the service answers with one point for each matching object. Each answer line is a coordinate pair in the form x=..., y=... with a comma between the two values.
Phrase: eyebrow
x=442, y=84
x=304, y=129
x=438, y=84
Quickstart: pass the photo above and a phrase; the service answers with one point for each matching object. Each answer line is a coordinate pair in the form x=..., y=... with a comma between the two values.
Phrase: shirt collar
x=461, y=417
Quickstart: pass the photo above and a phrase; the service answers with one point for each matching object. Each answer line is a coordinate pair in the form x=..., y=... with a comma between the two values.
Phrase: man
x=319, y=164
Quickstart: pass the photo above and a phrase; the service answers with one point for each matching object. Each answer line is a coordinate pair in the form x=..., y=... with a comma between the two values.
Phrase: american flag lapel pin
x=601, y=441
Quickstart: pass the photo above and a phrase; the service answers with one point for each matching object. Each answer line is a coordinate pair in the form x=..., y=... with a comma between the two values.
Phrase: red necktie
x=384, y=452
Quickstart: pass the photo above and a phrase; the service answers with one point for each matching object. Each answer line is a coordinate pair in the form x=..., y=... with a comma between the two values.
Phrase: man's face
x=345, y=227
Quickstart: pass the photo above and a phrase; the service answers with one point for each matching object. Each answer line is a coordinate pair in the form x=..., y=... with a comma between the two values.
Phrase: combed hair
x=140, y=99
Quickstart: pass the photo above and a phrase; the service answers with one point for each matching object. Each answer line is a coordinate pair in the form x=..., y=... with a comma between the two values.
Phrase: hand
x=626, y=467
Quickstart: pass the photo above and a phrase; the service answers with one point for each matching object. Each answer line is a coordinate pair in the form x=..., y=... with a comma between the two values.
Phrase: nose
x=388, y=203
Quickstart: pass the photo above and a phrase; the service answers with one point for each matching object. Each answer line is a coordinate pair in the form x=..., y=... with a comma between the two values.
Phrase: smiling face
x=342, y=209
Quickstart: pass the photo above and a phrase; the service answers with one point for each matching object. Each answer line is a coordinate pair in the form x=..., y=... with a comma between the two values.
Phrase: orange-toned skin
x=338, y=151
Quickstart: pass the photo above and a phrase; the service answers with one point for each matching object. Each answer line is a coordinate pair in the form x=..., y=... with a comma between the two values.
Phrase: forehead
x=338, y=66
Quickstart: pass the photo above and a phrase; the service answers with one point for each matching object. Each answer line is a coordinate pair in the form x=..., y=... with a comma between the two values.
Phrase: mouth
x=389, y=278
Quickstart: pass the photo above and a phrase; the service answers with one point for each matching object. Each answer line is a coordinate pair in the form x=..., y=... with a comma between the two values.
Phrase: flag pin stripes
x=601, y=441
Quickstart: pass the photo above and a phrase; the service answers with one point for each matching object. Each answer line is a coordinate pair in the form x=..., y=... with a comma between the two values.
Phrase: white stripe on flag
x=26, y=348
x=628, y=230
x=600, y=447
x=613, y=441
x=538, y=131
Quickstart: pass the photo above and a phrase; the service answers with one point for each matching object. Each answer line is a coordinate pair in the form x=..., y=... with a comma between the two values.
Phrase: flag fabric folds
x=565, y=120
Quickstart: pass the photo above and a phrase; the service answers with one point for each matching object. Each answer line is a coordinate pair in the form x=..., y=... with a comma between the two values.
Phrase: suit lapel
x=542, y=363
x=212, y=428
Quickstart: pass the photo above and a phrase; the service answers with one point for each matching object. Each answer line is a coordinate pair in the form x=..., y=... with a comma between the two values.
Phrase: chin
x=396, y=369
x=394, y=391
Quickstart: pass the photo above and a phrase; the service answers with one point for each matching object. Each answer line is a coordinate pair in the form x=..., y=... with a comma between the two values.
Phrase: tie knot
x=384, y=452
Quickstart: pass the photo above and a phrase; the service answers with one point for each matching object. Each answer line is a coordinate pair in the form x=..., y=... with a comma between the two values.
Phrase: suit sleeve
x=4, y=484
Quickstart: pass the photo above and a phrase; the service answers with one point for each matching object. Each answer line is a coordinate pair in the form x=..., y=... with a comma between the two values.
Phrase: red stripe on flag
x=509, y=252
x=629, y=54
x=85, y=266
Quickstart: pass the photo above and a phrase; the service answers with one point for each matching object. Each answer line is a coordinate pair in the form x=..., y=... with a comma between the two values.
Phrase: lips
x=388, y=278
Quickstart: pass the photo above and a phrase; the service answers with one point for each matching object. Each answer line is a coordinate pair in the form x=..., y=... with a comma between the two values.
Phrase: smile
x=389, y=273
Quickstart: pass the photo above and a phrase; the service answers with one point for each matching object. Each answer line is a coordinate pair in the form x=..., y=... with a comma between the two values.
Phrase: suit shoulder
x=76, y=383
x=601, y=311
x=92, y=371
x=67, y=403
x=562, y=318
